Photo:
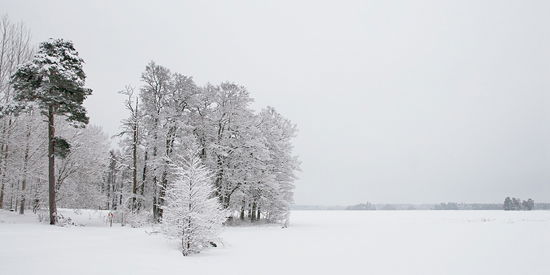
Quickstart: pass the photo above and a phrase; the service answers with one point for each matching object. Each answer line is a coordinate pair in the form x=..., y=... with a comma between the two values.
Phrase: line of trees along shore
x=509, y=204
x=47, y=162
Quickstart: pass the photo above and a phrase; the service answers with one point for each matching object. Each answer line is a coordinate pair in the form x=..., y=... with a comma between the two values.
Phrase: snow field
x=317, y=242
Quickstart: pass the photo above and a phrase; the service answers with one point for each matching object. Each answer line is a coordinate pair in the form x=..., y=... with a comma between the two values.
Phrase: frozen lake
x=318, y=242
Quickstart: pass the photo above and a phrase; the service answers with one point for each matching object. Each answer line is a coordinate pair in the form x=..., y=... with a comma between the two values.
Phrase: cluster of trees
x=248, y=153
x=518, y=204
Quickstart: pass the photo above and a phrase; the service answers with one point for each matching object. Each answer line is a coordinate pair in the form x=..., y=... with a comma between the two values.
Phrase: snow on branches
x=192, y=214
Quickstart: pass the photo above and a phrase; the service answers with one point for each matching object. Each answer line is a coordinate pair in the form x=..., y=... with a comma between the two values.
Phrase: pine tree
x=54, y=81
x=192, y=213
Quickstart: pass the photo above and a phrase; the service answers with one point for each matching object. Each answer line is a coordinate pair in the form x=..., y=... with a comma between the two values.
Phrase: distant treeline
x=440, y=206
x=468, y=206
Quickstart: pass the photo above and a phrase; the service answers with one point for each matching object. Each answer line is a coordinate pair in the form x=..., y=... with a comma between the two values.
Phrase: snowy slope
x=318, y=242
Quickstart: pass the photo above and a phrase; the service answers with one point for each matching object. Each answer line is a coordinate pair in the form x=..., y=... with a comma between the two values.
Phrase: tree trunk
x=36, y=197
x=4, y=165
x=144, y=175
x=25, y=169
x=156, y=205
x=11, y=196
x=2, y=195
x=253, y=217
x=134, y=163
x=143, y=179
x=169, y=145
x=51, y=165
x=114, y=201
x=162, y=194
x=109, y=186
x=241, y=217
x=23, y=188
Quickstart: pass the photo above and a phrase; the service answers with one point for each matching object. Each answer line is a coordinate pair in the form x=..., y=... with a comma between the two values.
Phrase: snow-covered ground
x=318, y=242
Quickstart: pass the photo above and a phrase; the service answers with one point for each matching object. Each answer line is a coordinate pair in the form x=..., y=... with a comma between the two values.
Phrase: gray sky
x=396, y=101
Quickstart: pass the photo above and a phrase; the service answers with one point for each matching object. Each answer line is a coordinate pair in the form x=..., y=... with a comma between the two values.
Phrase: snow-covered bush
x=42, y=215
x=136, y=219
x=60, y=219
x=192, y=212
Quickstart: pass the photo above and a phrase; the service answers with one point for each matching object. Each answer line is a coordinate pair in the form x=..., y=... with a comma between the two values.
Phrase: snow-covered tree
x=54, y=81
x=282, y=165
x=15, y=49
x=192, y=214
x=154, y=94
x=31, y=153
x=79, y=175
x=131, y=129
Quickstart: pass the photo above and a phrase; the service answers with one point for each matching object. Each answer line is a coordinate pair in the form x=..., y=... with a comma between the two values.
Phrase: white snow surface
x=317, y=242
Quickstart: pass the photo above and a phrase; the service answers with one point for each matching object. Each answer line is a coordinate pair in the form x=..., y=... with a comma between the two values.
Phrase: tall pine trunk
x=51, y=165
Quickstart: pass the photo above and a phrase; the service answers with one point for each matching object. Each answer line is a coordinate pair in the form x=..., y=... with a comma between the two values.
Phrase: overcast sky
x=396, y=101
